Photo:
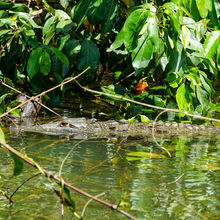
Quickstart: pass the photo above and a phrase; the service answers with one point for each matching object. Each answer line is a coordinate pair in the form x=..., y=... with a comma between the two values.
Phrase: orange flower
x=141, y=87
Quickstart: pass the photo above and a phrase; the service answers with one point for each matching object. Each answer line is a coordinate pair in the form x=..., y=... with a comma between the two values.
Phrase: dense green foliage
x=173, y=45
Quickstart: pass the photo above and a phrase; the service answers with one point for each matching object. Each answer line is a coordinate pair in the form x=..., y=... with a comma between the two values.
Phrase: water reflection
x=148, y=186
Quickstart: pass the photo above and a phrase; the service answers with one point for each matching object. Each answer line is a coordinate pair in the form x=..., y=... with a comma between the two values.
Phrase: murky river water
x=149, y=185
x=136, y=175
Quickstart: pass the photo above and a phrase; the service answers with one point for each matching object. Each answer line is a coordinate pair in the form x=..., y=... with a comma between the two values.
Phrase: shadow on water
x=141, y=178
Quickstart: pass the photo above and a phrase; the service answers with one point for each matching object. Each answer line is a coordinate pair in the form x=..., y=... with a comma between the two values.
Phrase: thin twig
x=44, y=106
x=66, y=157
x=23, y=184
x=145, y=104
x=3, y=48
x=176, y=180
x=60, y=172
x=155, y=140
x=131, y=74
x=6, y=196
x=60, y=181
x=45, y=92
x=32, y=15
x=84, y=208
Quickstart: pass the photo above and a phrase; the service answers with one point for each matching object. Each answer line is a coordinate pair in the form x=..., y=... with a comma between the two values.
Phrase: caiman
x=84, y=128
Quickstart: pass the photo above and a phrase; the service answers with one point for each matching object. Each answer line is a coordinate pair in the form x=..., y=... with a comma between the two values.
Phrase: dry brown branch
x=44, y=106
x=36, y=13
x=3, y=48
x=45, y=92
x=177, y=179
x=61, y=182
x=145, y=104
x=129, y=75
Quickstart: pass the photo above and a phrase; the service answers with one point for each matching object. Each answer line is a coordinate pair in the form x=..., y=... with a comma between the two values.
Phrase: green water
x=155, y=186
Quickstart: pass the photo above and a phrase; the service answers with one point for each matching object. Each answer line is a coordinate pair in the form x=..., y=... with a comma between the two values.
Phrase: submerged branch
x=90, y=200
x=155, y=140
x=23, y=184
x=60, y=181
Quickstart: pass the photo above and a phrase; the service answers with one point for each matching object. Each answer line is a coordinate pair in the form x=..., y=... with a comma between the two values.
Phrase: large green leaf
x=206, y=83
x=145, y=155
x=18, y=164
x=60, y=55
x=132, y=27
x=48, y=24
x=49, y=29
x=204, y=6
x=185, y=36
x=5, y=5
x=153, y=32
x=96, y=11
x=177, y=58
x=81, y=10
x=69, y=197
x=33, y=62
x=213, y=15
x=173, y=12
x=3, y=14
x=194, y=10
x=71, y=49
x=129, y=34
x=24, y=17
x=44, y=62
x=211, y=44
x=64, y=26
x=203, y=97
x=118, y=43
x=89, y=55
x=183, y=98
x=64, y=3
x=20, y=8
x=110, y=17
x=142, y=54
x=62, y=15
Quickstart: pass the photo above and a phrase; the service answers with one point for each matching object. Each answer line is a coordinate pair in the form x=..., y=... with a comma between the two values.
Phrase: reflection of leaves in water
x=139, y=155
x=209, y=166
x=144, y=179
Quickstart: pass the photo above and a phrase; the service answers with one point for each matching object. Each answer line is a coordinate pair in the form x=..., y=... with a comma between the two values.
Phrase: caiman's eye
x=64, y=124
